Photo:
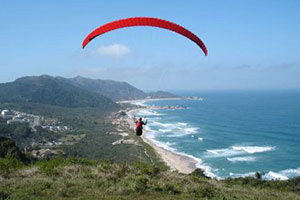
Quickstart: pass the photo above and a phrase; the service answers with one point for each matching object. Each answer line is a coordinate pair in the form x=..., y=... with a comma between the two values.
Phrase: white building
x=6, y=114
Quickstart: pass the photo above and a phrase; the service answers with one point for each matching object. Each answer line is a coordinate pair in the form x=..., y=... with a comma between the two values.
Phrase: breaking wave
x=238, y=150
x=242, y=159
x=148, y=113
x=271, y=175
x=253, y=149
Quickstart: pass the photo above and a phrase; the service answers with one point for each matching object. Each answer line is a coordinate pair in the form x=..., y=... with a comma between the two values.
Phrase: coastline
x=186, y=164
x=145, y=100
x=182, y=163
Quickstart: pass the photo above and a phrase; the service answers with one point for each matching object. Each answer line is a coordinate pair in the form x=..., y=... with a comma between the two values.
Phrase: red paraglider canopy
x=144, y=21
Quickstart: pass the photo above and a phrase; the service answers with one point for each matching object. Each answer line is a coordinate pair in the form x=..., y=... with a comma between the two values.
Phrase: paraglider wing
x=144, y=21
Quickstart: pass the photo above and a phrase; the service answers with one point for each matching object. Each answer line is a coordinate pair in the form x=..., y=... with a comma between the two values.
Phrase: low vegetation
x=77, y=178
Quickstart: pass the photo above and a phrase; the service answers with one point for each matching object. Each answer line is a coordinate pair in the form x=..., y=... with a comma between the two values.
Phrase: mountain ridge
x=72, y=92
x=50, y=90
x=114, y=90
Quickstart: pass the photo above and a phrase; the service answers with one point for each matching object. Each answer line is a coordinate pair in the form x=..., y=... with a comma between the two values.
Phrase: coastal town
x=13, y=116
x=40, y=146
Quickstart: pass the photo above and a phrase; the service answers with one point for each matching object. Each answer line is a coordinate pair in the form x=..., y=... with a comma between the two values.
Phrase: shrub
x=49, y=167
x=204, y=190
x=258, y=175
x=155, y=171
x=79, y=161
x=146, y=169
x=87, y=173
x=199, y=173
x=106, y=164
x=46, y=185
x=171, y=189
x=9, y=165
x=4, y=195
x=141, y=183
x=156, y=187
x=9, y=148
x=121, y=170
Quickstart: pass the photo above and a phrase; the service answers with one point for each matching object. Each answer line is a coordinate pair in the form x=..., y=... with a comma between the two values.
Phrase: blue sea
x=232, y=133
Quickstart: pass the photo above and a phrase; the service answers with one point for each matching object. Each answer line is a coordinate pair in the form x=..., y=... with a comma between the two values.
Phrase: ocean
x=232, y=133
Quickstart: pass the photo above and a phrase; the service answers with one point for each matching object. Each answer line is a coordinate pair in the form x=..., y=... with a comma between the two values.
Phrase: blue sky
x=251, y=44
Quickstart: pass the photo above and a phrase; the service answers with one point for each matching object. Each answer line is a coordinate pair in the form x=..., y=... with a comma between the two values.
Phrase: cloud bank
x=115, y=50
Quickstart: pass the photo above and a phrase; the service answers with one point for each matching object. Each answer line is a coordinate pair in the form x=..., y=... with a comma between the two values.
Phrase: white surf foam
x=237, y=150
x=242, y=159
x=275, y=176
x=156, y=123
x=182, y=123
x=282, y=175
x=147, y=128
x=164, y=145
x=178, y=129
x=236, y=175
x=179, y=134
x=222, y=152
x=148, y=113
x=291, y=172
x=165, y=130
x=253, y=149
x=175, y=135
x=138, y=103
x=271, y=175
x=190, y=130
x=208, y=171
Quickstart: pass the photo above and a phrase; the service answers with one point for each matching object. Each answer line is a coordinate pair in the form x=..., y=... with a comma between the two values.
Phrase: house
x=6, y=114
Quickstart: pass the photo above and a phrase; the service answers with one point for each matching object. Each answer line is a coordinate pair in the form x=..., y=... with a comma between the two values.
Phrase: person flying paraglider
x=139, y=126
x=144, y=21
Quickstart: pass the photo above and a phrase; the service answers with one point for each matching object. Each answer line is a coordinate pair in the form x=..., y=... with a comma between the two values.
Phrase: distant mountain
x=51, y=90
x=116, y=90
x=161, y=94
x=112, y=89
x=72, y=92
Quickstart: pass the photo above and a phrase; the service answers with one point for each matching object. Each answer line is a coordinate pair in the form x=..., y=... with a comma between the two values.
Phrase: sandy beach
x=182, y=163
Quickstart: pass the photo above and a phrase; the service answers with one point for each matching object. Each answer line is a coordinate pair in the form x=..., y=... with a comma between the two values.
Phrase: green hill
x=115, y=90
x=51, y=90
x=112, y=89
x=72, y=92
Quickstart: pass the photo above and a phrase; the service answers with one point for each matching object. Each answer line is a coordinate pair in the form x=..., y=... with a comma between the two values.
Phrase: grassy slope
x=86, y=179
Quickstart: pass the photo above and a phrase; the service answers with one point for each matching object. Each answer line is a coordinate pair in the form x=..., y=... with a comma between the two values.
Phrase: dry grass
x=84, y=179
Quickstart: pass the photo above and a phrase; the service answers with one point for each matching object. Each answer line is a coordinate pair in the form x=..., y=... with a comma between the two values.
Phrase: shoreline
x=184, y=164
x=145, y=100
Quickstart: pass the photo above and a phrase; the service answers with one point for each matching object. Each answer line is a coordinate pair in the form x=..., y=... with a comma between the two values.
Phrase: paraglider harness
x=139, y=127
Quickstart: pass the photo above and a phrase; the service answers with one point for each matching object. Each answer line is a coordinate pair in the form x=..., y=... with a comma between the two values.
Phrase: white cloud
x=116, y=50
